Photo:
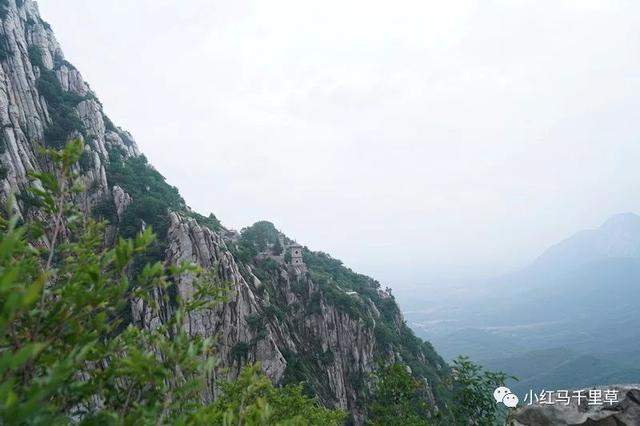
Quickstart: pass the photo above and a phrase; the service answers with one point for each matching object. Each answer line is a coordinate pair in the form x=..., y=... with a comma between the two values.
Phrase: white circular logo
x=510, y=400
x=500, y=393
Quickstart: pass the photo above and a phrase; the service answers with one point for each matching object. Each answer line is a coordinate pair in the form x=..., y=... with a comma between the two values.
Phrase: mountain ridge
x=319, y=322
x=618, y=236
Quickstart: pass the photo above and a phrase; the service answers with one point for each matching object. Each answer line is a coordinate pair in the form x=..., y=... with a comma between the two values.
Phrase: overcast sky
x=415, y=140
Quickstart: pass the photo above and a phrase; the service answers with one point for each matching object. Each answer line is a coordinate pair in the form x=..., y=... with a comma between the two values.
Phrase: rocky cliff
x=320, y=322
x=45, y=101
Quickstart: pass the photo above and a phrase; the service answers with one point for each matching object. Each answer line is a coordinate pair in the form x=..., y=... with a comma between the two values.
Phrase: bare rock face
x=188, y=241
x=325, y=331
x=286, y=322
x=30, y=55
x=625, y=412
x=121, y=200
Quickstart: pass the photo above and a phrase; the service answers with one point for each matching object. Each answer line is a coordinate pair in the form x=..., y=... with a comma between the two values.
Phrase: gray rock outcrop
x=624, y=412
x=29, y=52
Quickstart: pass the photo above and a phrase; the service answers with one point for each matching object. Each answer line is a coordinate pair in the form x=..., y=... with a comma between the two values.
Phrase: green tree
x=66, y=351
x=252, y=399
x=277, y=247
x=399, y=399
x=68, y=354
x=473, y=402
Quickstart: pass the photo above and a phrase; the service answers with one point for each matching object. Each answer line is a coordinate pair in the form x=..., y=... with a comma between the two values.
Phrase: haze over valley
x=567, y=320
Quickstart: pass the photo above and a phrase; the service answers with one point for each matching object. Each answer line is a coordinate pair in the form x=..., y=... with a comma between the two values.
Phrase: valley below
x=569, y=320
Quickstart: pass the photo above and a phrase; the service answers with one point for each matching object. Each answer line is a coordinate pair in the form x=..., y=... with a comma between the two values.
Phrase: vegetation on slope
x=259, y=237
x=399, y=399
x=337, y=286
x=392, y=334
x=152, y=196
x=152, y=201
x=60, y=104
x=397, y=393
x=64, y=357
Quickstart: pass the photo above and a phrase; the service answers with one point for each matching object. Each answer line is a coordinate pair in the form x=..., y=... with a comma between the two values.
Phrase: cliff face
x=44, y=101
x=300, y=323
x=321, y=322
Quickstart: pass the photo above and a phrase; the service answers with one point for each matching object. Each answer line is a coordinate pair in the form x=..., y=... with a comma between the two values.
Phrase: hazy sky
x=413, y=139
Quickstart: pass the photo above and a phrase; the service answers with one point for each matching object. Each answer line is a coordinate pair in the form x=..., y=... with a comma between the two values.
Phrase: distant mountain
x=618, y=237
x=593, y=273
x=581, y=295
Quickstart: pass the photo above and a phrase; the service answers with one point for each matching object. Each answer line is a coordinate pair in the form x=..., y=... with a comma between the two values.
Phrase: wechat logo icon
x=503, y=395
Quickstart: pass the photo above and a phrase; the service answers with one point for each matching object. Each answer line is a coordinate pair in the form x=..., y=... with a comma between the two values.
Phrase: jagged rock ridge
x=321, y=323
